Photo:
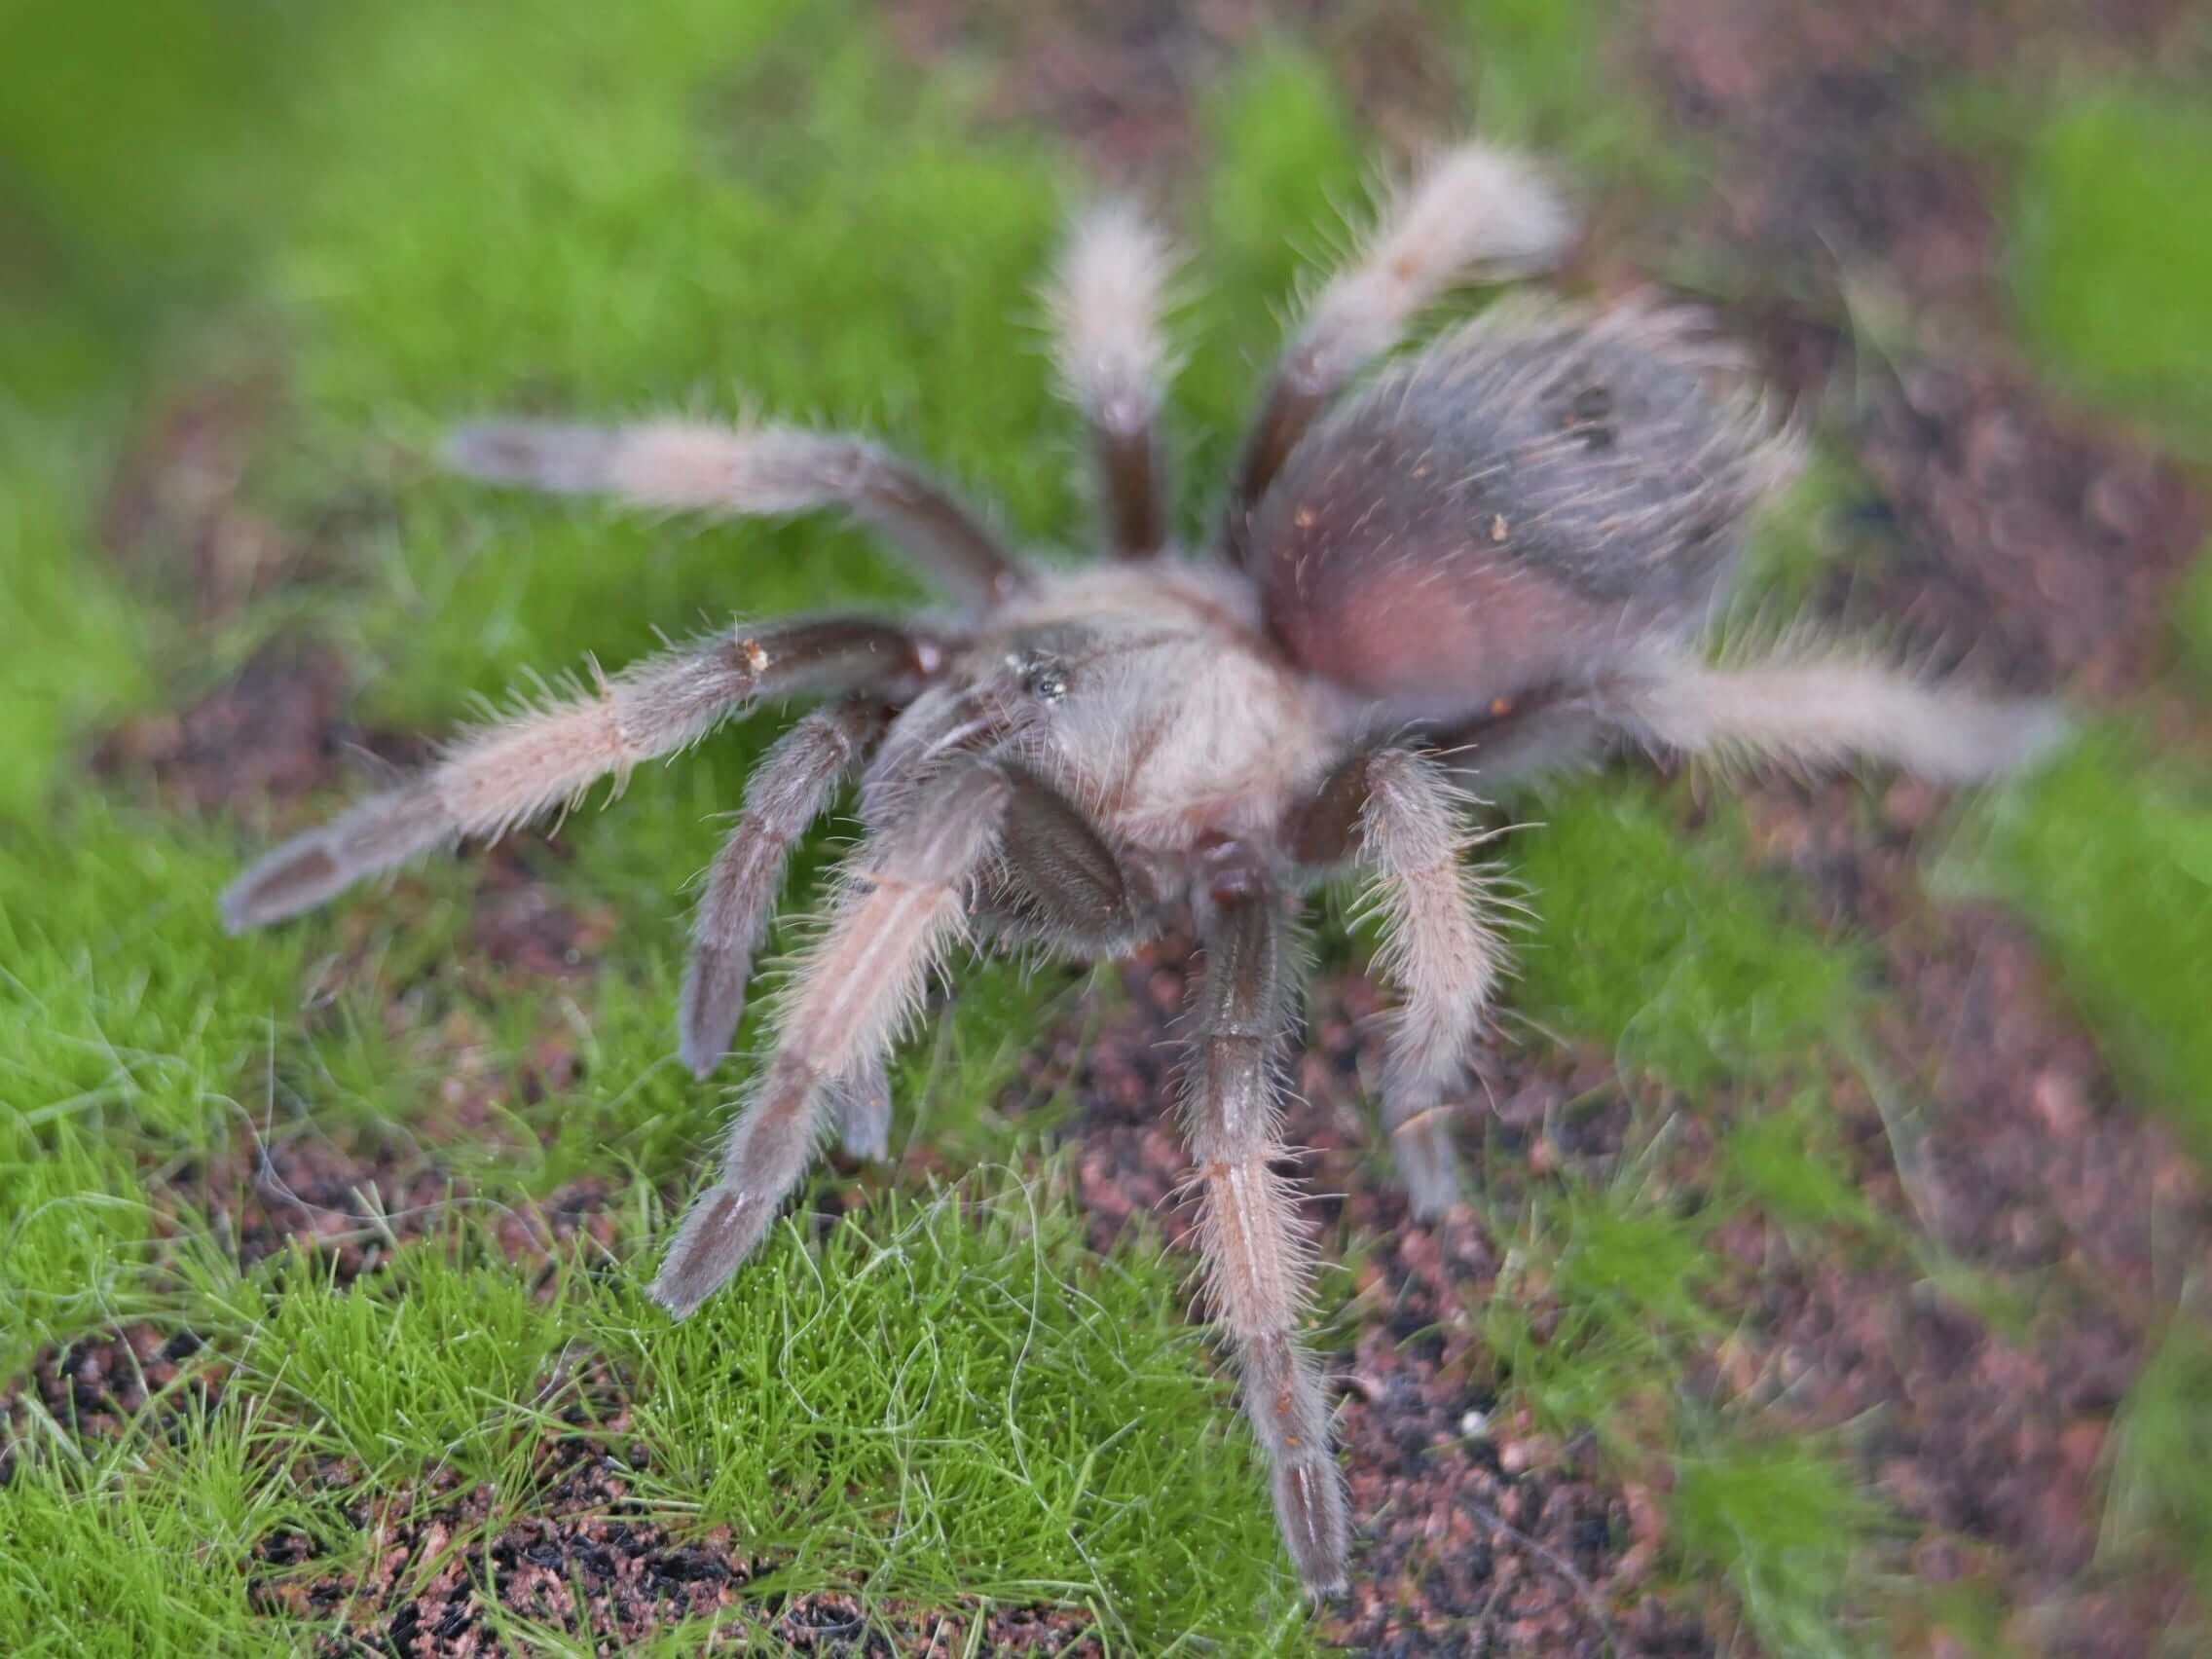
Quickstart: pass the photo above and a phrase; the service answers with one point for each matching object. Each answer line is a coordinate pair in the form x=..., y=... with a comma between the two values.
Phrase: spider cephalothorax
x=1495, y=554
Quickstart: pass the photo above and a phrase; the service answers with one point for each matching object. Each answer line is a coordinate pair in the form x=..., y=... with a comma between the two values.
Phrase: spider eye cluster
x=1043, y=675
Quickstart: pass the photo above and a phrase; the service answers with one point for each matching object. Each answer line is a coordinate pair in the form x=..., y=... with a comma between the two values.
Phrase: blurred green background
x=255, y=256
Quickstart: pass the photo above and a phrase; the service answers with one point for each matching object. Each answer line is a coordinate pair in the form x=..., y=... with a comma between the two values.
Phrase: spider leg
x=786, y=793
x=862, y=1103
x=1538, y=731
x=504, y=775
x=1827, y=710
x=762, y=471
x=905, y=900
x=1106, y=301
x=1398, y=814
x=1473, y=211
x=1255, y=1255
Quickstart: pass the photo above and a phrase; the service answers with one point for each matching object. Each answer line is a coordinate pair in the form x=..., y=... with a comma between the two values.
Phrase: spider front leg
x=1257, y=1263
x=1397, y=815
x=1542, y=730
x=504, y=775
x=904, y=900
x=1106, y=304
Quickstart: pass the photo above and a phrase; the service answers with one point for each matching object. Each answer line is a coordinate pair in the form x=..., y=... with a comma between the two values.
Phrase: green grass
x=428, y=211
x=2194, y=629
x=1602, y=1296
x=2164, y=1436
x=139, y=1545
x=1788, y=1162
x=1548, y=75
x=1661, y=946
x=946, y=1397
x=2111, y=265
x=2109, y=853
x=1786, y=1525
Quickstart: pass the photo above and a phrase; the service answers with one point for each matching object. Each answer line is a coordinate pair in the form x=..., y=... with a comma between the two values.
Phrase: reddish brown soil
x=271, y=733
x=1120, y=78
x=176, y=513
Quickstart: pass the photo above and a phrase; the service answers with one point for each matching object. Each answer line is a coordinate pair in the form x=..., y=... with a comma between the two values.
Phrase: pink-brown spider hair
x=1498, y=552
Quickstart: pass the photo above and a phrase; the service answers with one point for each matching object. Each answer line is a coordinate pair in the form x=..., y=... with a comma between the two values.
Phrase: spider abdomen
x=1510, y=508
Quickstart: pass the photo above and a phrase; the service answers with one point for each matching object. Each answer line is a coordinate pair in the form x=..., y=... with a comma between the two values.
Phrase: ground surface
x=1835, y=1275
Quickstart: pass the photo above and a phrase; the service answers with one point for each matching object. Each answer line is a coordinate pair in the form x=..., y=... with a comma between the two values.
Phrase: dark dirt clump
x=275, y=745
x=1122, y=81
x=350, y=1209
x=269, y=732
x=1992, y=1446
x=2045, y=554
x=520, y=926
x=176, y=513
x=101, y=1387
x=450, y=1566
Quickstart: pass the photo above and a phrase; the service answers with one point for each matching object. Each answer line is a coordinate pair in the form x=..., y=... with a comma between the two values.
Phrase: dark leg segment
x=788, y=790
x=903, y=904
x=1107, y=299
x=1255, y=1256
x=1134, y=488
x=1545, y=729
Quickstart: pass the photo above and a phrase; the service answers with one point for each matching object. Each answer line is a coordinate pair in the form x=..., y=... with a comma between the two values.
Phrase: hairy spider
x=1496, y=555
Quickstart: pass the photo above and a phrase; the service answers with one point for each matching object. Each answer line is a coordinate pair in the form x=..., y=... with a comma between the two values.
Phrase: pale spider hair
x=1500, y=551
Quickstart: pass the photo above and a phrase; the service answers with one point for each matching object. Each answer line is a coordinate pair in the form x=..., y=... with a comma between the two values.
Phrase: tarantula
x=1496, y=555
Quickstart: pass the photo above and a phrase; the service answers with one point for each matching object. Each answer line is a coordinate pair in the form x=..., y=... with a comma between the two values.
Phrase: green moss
x=73, y=645
x=421, y=1367
x=1661, y=946
x=1287, y=169
x=140, y=1545
x=1604, y=1289
x=1798, y=541
x=2157, y=1489
x=1786, y=1525
x=2193, y=621
x=149, y=155
x=2109, y=854
x=947, y=1397
x=954, y=1399
x=1791, y=1164
x=1550, y=75
x=2112, y=254
x=76, y=1237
